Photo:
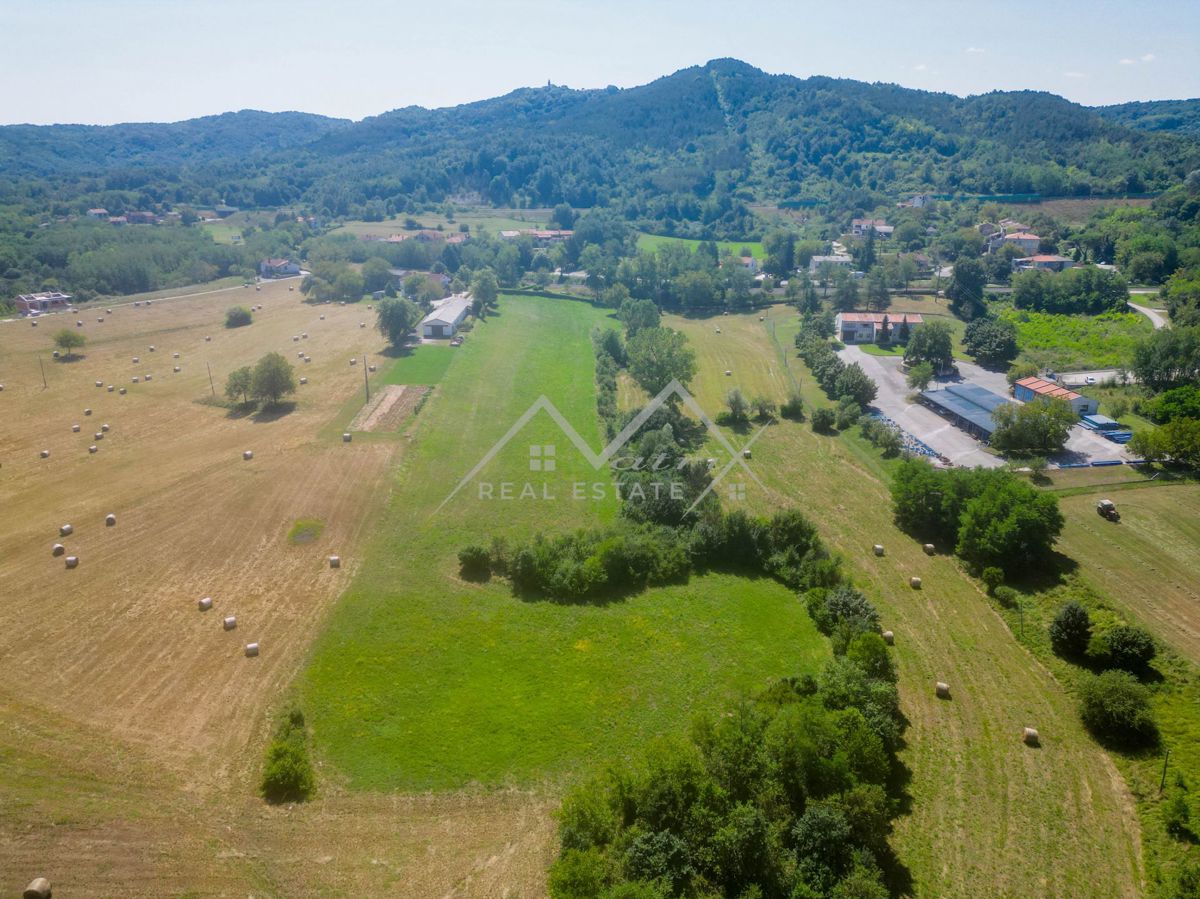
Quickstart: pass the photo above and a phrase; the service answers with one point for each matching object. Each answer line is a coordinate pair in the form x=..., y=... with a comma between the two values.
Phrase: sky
x=106, y=61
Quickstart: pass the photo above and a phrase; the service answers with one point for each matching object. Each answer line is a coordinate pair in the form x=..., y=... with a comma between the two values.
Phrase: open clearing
x=989, y=816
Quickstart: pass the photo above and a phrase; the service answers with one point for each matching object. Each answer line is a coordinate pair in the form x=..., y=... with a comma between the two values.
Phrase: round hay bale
x=728, y=373
x=745, y=454
x=33, y=324
x=362, y=324
x=346, y=437
x=99, y=383
x=174, y=355
x=878, y=549
x=66, y=530
x=1029, y=736
x=152, y=349
x=58, y=549
x=39, y=888
x=762, y=318
x=110, y=388
x=370, y=368
x=87, y=411
x=322, y=318
x=146, y=378
x=122, y=391
x=251, y=650
x=177, y=369
x=207, y=339
x=889, y=638
x=295, y=338
x=915, y=583
x=942, y=690
x=99, y=435
x=308, y=358
x=137, y=302
x=335, y=561
x=108, y=312
x=104, y=428
x=74, y=429
x=45, y=454
x=147, y=302
x=354, y=361
x=229, y=623
x=110, y=520
x=304, y=380
x=100, y=320
x=205, y=604
x=135, y=380
x=136, y=360
x=300, y=355
x=93, y=448
x=56, y=354
x=304, y=336
x=248, y=455
x=72, y=561
x=79, y=323
x=929, y=549
x=718, y=330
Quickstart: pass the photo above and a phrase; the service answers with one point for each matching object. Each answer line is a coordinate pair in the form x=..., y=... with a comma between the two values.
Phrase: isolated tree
x=637, y=315
x=920, y=375
x=992, y=341
x=739, y=408
x=1009, y=524
x=965, y=289
x=1071, y=631
x=376, y=274
x=1040, y=426
x=485, y=288
x=845, y=295
x=239, y=384
x=1116, y=709
x=238, y=317
x=878, y=298
x=69, y=341
x=932, y=343
x=395, y=317
x=273, y=379
x=1129, y=648
x=657, y=356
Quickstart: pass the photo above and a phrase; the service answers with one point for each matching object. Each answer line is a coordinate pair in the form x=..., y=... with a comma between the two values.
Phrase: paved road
x=1156, y=318
x=956, y=445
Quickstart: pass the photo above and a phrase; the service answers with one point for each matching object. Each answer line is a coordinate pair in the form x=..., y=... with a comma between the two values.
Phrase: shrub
x=793, y=407
x=1177, y=815
x=848, y=412
x=842, y=605
x=765, y=409
x=579, y=874
x=238, y=317
x=475, y=563
x=823, y=421
x=1071, y=631
x=288, y=774
x=1006, y=596
x=1116, y=709
x=1129, y=648
x=992, y=578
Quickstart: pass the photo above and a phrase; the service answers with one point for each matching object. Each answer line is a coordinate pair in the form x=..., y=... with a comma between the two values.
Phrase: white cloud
x=1149, y=57
x=1074, y=75
x=920, y=67
x=1125, y=62
x=975, y=49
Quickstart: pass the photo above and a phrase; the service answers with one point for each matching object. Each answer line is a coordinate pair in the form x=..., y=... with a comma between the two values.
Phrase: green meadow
x=424, y=681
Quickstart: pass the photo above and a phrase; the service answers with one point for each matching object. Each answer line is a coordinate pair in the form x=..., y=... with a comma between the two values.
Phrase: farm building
x=864, y=327
x=967, y=405
x=278, y=268
x=37, y=303
x=443, y=321
x=1031, y=388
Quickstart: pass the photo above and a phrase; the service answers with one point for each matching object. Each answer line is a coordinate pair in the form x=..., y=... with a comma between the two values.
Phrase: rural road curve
x=1156, y=318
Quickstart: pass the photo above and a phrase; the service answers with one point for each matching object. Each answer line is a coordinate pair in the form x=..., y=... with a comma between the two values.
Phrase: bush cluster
x=288, y=774
x=610, y=355
x=836, y=378
x=883, y=436
x=1116, y=709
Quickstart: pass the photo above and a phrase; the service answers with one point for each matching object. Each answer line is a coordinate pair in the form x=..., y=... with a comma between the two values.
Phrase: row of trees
x=268, y=382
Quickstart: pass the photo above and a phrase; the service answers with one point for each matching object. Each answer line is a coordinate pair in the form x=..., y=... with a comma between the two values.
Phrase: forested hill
x=686, y=151
x=1176, y=116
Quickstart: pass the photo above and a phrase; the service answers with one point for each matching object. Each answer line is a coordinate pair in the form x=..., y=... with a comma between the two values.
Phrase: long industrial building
x=967, y=405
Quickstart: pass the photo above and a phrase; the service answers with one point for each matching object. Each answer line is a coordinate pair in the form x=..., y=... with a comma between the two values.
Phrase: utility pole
x=1162, y=783
x=42, y=366
x=211, y=385
x=366, y=380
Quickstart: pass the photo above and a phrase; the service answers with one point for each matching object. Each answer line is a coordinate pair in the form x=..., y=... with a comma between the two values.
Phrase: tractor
x=1106, y=509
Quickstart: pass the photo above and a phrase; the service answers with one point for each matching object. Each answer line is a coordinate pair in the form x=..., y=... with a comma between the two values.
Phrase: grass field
x=1068, y=342
x=988, y=816
x=487, y=219
x=424, y=681
x=650, y=242
x=424, y=365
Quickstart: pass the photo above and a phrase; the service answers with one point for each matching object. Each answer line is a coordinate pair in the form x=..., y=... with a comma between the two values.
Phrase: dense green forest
x=1178, y=116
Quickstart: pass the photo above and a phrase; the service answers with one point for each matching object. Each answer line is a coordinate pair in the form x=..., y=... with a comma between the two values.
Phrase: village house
x=863, y=227
x=278, y=268
x=1045, y=262
x=98, y=213
x=118, y=220
x=1024, y=241
x=866, y=327
x=838, y=260
x=38, y=303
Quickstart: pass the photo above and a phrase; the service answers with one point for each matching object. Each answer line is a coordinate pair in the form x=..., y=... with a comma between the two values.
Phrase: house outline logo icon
x=599, y=460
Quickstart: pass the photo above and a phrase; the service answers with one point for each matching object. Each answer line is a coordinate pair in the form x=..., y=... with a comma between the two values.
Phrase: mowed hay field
x=425, y=681
x=989, y=816
x=1147, y=562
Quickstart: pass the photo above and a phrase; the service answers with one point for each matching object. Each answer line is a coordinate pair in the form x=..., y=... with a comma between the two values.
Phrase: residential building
x=1022, y=240
x=1043, y=261
x=98, y=213
x=862, y=227
x=865, y=327
x=838, y=260
x=118, y=220
x=1033, y=388
x=444, y=320
x=37, y=303
x=278, y=268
